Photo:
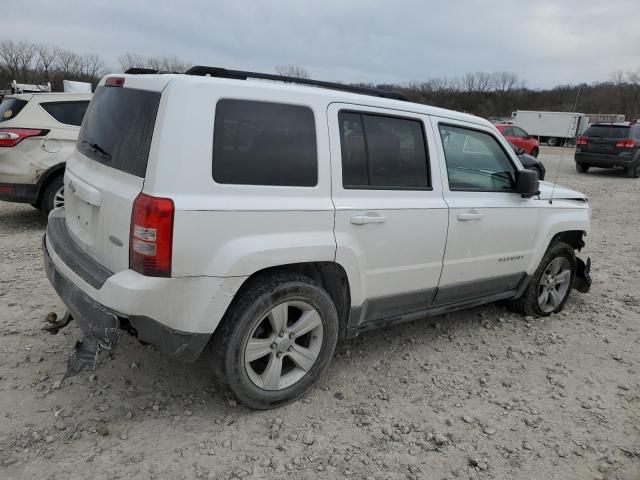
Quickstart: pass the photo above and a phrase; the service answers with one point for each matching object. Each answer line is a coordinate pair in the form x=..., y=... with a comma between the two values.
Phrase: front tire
x=535, y=152
x=551, y=283
x=276, y=340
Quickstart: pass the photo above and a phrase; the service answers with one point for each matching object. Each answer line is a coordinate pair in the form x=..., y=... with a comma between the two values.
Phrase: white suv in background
x=268, y=219
x=38, y=133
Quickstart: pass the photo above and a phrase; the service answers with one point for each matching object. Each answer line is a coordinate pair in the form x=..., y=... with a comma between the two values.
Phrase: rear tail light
x=114, y=82
x=151, y=236
x=581, y=141
x=10, y=137
x=626, y=143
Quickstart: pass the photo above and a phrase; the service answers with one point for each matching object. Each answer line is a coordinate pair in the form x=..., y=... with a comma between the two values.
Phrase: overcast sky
x=545, y=42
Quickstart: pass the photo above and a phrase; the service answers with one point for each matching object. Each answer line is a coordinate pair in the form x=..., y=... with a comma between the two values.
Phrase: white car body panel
x=225, y=233
x=402, y=255
x=30, y=159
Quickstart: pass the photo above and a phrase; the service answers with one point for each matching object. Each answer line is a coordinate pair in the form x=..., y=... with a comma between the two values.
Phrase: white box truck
x=554, y=128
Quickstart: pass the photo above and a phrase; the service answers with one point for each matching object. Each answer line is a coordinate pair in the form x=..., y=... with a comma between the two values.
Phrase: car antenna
x=555, y=180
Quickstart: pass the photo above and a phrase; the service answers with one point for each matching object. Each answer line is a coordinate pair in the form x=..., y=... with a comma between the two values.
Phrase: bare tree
x=131, y=60
x=292, y=71
x=169, y=63
x=91, y=66
x=46, y=57
x=68, y=63
x=17, y=58
x=504, y=81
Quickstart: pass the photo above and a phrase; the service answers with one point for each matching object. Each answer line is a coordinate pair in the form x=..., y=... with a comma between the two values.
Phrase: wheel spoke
x=554, y=267
x=554, y=298
x=257, y=348
x=543, y=298
x=543, y=281
x=563, y=277
x=278, y=317
x=271, y=374
x=302, y=357
x=307, y=322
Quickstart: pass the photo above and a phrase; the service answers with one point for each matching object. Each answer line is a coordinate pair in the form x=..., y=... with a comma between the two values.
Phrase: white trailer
x=554, y=128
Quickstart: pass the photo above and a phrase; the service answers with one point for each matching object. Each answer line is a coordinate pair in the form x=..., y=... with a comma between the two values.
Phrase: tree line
x=487, y=94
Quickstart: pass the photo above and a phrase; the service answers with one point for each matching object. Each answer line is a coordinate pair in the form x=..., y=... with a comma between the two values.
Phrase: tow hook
x=54, y=325
x=582, y=282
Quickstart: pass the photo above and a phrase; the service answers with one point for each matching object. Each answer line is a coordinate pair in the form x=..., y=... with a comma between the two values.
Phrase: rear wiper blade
x=95, y=148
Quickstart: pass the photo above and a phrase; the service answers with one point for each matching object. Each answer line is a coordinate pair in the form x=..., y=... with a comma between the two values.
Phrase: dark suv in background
x=608, y=145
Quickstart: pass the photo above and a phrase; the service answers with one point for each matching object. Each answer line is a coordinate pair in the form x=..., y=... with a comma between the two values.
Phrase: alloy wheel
x=284, y=345
x=58, y=198
x=554, y=284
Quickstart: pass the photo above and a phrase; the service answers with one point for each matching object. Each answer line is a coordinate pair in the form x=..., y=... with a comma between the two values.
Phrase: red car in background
x=519, y=138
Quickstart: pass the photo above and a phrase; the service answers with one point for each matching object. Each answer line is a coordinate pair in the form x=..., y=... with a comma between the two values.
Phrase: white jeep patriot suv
x=268, y=217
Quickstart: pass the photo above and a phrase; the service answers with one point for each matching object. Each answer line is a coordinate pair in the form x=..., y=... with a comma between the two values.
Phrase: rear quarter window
x=10, y=108
x=118, y=128
x=264, y=143
x=69, y=113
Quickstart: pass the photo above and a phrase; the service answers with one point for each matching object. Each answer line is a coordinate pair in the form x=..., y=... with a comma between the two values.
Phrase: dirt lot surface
x=480, y=394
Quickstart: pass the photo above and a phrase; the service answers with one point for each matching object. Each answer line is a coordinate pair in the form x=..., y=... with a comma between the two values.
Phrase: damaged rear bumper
x=103, y=326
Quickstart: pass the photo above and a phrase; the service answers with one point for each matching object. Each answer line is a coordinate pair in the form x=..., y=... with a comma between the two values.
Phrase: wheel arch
x=47, y=176
x=568, y=225
x=329, y=275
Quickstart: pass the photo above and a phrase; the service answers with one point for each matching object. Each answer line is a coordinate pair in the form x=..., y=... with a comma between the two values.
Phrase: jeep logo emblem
x=72, y=186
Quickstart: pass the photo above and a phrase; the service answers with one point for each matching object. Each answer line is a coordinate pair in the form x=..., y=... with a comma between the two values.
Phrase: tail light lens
x=626, y=143
x=114, y=82
x=10, y=137
x=581, y=141
x=151, y=236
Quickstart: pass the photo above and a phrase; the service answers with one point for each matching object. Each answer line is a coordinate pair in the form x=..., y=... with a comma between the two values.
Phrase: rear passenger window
x=10, y=108
x=262, y=143
x=382, y=152
x=69, y=113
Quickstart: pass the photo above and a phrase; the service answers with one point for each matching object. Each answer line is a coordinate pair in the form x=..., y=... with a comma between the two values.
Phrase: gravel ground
x=481, y=393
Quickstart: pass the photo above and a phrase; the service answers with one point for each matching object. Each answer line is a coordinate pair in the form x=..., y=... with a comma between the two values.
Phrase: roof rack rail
x=241, y=75
x=141, y=71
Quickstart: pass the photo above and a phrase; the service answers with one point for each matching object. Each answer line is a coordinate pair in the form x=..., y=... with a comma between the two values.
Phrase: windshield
x=118, y=127
x=10, y=107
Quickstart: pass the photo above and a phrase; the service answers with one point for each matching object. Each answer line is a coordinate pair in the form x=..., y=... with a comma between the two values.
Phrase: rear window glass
x=118, y=128
x=10, y=108
x=263, y=143
x=69, y=113
x=607, y=131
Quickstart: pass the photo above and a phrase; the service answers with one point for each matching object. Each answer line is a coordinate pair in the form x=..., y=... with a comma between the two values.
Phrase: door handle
x=469, y=216
x=369, y=218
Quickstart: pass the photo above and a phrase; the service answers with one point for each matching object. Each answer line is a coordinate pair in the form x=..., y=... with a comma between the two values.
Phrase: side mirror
x=527, y=183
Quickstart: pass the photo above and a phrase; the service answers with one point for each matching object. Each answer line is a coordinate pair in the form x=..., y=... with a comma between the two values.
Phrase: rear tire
x=551, y=283
x=52, y=195
x=634, y=170
x=535, y=152
x=582, y=168
x=276, y=340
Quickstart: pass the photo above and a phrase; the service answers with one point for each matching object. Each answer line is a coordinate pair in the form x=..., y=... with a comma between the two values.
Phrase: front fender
x=561, y=216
